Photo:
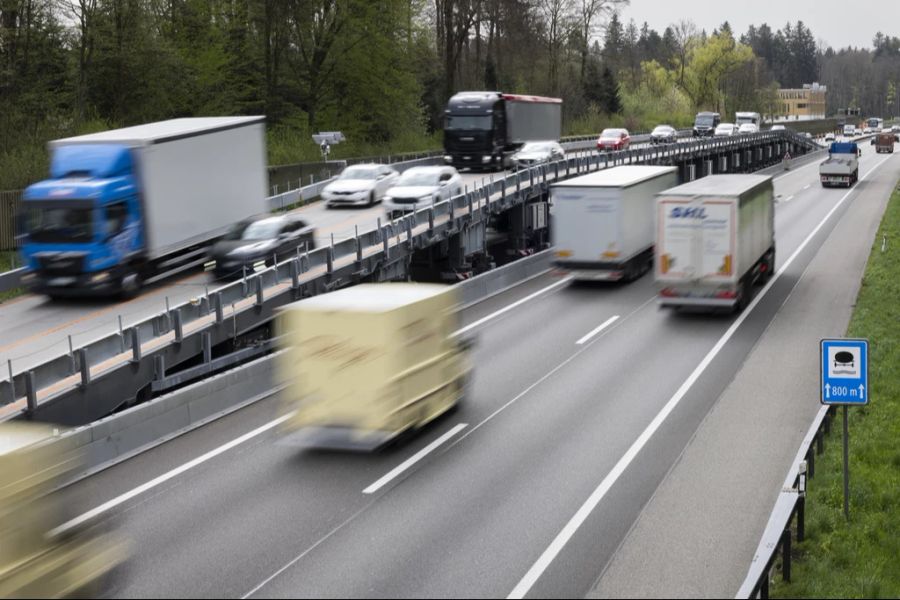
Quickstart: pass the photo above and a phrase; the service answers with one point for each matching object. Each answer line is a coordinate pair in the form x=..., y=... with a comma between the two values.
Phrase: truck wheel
x=130, y=286
x=371, y=199
x=746, y=292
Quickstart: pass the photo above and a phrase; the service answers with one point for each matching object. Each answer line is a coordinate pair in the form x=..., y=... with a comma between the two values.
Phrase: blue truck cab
x=84, y=223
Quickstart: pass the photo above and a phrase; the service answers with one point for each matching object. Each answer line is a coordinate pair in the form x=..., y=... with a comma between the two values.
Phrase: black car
x=254, y=243
x=705, y=124
x=664, y=134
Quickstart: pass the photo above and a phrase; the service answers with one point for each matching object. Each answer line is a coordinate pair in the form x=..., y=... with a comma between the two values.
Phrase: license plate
x=58, y=281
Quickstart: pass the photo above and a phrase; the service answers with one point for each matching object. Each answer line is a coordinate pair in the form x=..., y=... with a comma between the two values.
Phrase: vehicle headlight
x=387, y=198
x=101, y=276
x=448, y=158
x=485, y=159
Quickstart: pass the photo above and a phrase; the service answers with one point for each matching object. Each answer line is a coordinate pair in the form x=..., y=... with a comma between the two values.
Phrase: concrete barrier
x=486, y=285
x=119, y=437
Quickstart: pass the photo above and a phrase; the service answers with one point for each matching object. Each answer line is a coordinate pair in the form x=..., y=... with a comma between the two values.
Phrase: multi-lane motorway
x=583, y=398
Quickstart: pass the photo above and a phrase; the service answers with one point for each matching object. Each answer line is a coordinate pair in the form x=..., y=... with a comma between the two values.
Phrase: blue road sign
x=845, y=371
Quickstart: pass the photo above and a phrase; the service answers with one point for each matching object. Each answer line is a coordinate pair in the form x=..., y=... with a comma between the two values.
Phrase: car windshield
x=663, y=129
x=704, y=121
x=359, y=173
x=413, y=178
x=57, y=223
x=467, y=123
x=611, y=133
x=536, y=147
x=264, y=229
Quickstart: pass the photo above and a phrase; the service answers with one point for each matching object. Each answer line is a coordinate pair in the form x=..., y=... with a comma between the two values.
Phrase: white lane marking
x=512, y=306
x=167, y=476
x=807, y=186
x=597, y=330
x=789, y=198
x=545, y=377
x=409, y=462
x=556, y=546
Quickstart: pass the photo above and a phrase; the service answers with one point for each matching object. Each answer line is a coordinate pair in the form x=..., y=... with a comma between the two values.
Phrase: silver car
x=725, y=129
x=359, y=185
x=535, y=153
x=421, y=186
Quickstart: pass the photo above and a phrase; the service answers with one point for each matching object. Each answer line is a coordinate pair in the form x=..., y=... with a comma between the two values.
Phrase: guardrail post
x=259, y=291
x=177, y=324
x=295, y=273
x=134, y=334
x=220, y=310
x=358, y=244
x=786, y=554
x=431, y=219
x=206, y=343
x=409, y=240
x=159, y=367
x=71, y=359
x=329, y=259
x=801, y=518
x=30, y=391
x=84, y=366
x=12, y=381
x=469, y=202
x=385, y=245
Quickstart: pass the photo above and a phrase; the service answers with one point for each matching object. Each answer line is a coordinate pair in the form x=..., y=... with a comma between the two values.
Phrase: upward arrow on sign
x=827, y=391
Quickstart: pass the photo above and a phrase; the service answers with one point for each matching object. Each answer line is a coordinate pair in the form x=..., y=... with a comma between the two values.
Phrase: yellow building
x=801, y=104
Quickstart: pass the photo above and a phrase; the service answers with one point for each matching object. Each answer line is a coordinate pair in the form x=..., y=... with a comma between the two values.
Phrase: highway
x=583, y=399
x=34, y=329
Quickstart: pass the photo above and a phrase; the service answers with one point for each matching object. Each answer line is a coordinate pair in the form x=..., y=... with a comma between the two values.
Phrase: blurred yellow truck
x=36, y=561
x=368, y=363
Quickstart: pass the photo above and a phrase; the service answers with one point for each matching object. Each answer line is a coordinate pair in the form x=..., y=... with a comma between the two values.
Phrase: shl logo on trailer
x=845, y=371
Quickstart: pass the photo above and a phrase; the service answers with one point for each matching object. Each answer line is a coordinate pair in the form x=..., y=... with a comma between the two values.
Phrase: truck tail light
x=563, y=253
x=610, y=254
x=664, y=263
x=668, y=293
x=726, y=265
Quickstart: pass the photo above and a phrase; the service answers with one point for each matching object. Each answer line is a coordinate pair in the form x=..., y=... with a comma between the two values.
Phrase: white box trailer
x=715, y=239
x=603, y=222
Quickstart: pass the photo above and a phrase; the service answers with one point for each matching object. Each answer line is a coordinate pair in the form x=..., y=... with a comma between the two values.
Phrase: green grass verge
x=9, y=260
x=861, y=558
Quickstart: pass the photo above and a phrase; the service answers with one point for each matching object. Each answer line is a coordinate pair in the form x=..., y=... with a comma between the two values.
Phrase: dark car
x=254, y=243
x=664, y=134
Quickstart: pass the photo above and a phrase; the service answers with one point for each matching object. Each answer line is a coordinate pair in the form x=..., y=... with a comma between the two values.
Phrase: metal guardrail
x=11, y=280
x=790, y=504
x=383, y=250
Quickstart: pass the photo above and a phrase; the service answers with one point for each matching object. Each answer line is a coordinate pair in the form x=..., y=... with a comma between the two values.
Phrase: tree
x=589, y=14
x=611, y=101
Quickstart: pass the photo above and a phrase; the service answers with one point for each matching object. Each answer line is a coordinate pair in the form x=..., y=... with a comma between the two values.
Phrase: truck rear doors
x=696, y=240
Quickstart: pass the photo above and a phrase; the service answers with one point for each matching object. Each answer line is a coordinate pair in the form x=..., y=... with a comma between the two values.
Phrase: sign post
x=844, y=367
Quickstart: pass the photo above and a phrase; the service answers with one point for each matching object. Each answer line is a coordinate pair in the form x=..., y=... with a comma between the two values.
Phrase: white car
x=777, y=128
x=535, y=153
x=829, y=137
x=868, y=130
x=858, y=131
x=360, y=185
x=725, y=129
x=748, y=128
x=421, y=186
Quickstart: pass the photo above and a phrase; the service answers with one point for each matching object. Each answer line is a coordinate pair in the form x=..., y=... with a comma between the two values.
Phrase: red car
x=613, y=139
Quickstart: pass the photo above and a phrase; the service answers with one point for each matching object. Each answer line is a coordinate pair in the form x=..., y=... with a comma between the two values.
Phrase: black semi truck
x=483, y=129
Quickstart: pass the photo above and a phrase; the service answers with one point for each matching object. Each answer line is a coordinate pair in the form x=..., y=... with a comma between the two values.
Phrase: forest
x=382, y=71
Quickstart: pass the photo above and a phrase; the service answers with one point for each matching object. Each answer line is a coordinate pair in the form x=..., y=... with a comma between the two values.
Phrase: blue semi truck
x=129, y=206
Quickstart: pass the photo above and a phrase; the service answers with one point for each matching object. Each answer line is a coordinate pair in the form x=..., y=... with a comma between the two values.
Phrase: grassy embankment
x=861, y=558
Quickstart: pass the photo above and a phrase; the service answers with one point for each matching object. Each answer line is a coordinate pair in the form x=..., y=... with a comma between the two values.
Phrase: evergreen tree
x=611, y=102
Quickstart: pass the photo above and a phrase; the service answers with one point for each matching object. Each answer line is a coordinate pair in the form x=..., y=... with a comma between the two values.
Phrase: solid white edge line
x=598, y=329
x=409, y=462
x=508, y=308
x=166, y=476
x=556, y=546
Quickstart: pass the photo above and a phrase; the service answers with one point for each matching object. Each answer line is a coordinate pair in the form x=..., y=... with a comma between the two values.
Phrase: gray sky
x=838, y=22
